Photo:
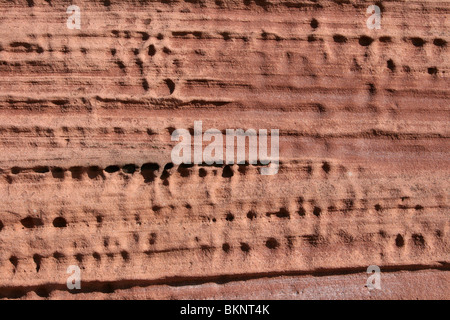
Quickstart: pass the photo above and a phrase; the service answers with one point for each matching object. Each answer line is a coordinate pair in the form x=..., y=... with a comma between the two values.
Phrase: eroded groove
x=111, y=286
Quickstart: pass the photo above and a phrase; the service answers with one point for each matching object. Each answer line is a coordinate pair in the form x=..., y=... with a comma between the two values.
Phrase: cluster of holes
x=34, y=222
x=365, y=41
x=79, y=257
x=147, y=170
x=270, y=243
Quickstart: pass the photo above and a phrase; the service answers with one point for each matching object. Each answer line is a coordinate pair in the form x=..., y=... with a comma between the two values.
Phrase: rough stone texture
x=363, y=118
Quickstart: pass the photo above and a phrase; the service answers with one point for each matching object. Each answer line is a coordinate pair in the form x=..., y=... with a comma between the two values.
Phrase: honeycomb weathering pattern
x=85, y=174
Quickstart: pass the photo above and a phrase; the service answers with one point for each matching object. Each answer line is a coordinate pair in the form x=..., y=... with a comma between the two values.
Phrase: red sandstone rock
x=363, y=118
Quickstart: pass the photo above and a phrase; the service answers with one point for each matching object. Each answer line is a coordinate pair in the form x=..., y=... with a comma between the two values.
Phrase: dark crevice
x=170, y=84
x=391, y=65
x=37, y=260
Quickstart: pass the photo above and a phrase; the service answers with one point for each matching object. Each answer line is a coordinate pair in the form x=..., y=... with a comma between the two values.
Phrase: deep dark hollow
x=60, y=222
x=227, y=172
x=245, y=247
x=272, y=243
x=399, y=241
x=226, y=247
x=365, y=41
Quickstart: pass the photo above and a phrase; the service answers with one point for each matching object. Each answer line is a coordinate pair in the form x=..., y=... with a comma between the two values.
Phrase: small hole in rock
x=339, y=38
x=245, y=247
x=391, y=65
x=94, y=172
x=314, y=23
x=399, y=241
x=202, y=172
x=151, y=50
x=251, y=215
x=272, y=243
x=170, y=84
x=385, y=39
x=112, y=169
x=15, y=170
x=41, y=169
x=58, y=255
x=439, y=42
x=148, y=171
x=152, y=239
x=60, y=222
x=418, y=240
x=77, y=172
x=30, y=222
x=125, y=255
x=317, y=211
x=301, y=212
x=168, y=166
x=14, y=261
x=227, y=172
x=229, y=217
x=37, y=260
x=226, y=247
x=365, y=41
x=326, y=167
x=432, y=70
x=418, y=42
x=58, y=173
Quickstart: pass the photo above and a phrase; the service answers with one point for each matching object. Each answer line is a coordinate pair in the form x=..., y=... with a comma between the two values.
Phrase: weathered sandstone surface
x=85, y=175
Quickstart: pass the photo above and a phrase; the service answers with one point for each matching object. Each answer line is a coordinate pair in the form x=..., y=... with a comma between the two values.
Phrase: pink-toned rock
x=86, y=118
